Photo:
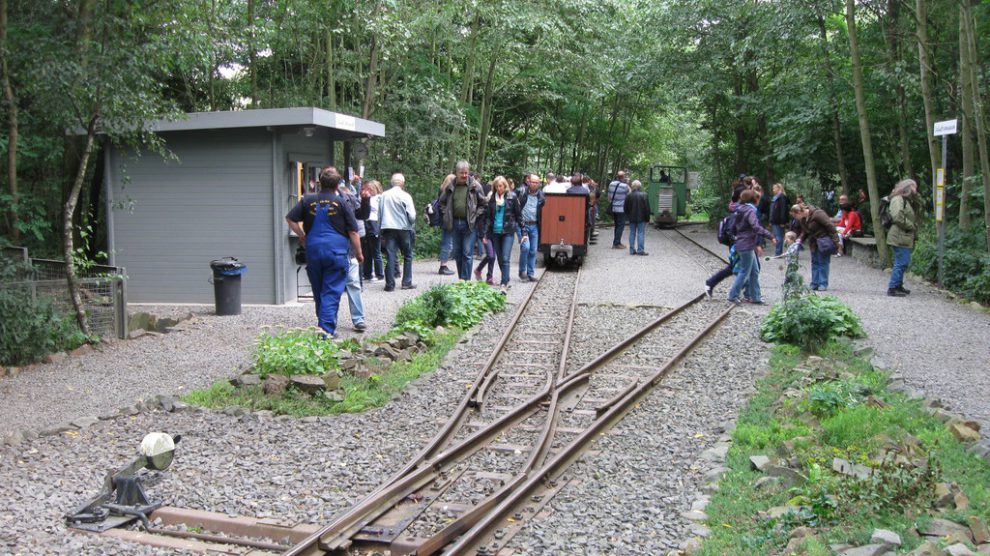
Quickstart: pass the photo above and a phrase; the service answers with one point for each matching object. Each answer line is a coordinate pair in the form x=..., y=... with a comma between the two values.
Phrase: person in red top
x=849, y=222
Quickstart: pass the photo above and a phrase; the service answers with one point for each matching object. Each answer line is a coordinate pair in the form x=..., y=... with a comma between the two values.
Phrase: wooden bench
x=863, y=249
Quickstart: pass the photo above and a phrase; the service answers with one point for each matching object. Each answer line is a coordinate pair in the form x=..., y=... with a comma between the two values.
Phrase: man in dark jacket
x=461, y=204
x=637, y=209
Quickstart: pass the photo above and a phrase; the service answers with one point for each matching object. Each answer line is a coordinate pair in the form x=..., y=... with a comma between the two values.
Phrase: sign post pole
x=943, y=129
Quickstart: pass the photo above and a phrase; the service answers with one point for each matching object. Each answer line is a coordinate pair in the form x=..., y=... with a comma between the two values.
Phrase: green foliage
x=30, y=325
x=294, y=351
x=966, y=262
x=462, y=305
x=897, y=494
x=810, y=321
x=360, y=394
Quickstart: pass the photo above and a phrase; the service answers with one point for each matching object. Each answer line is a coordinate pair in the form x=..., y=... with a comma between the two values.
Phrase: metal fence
x=103, y=290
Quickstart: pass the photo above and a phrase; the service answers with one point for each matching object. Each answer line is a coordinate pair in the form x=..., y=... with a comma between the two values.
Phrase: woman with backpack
x=902, y=233
x=819, y=234
x=748, y=232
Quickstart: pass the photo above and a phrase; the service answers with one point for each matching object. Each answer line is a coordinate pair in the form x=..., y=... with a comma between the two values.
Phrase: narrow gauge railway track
x=565, y=417
x=497, y=461
x=522, y=367
x=690, y=246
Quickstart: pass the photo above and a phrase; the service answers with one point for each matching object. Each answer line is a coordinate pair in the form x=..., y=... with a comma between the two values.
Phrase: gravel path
x=199, y=352
x=940, y=346
x=625, y=499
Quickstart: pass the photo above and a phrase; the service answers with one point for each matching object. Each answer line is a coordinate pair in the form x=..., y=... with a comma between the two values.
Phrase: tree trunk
x=252, y=54
x=466, y=80
x=978, y=117
x=486, y=111
x=893, y=53
x=10, y=100
x=369, y=92
x=864, y=131
x=966, y=131
x=927, y=93
x=331, y=77
x=68, y=249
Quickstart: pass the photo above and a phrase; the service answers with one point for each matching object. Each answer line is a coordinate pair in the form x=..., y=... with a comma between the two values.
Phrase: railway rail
x=499, y=459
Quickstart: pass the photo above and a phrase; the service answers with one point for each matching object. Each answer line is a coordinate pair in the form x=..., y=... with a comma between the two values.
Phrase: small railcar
x=564, y=231
x=669, y=192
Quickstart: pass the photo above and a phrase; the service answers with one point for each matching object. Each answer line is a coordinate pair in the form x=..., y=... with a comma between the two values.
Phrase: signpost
x=942, y=129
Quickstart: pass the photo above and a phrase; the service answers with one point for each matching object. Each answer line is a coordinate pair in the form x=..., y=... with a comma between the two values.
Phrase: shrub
x=966, y=265
x=810, y=321
x=30, y=325
x=294, y=351
x=462, y=305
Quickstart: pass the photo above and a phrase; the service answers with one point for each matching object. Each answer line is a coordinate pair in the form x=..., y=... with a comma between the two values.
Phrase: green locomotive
x=669, y=191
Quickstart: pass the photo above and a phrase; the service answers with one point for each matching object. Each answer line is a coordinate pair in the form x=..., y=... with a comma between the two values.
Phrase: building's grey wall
x=315, y=149
x=177, y=216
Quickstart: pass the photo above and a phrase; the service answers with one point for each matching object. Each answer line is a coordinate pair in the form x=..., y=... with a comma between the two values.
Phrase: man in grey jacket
x=461, y=204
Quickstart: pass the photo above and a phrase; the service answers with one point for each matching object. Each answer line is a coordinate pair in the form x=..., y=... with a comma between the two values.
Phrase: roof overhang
x=341, y=125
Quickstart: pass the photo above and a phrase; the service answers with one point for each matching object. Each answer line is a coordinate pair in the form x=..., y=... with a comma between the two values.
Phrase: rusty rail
x=476, y=521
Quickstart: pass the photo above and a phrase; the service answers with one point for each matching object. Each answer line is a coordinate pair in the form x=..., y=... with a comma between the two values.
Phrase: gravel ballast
x=625, y=498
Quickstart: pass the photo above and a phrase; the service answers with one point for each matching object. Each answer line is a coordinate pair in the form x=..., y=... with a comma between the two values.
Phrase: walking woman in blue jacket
x=748, y=232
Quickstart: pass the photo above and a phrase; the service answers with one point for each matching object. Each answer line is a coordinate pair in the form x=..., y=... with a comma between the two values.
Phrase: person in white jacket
x=396, y=214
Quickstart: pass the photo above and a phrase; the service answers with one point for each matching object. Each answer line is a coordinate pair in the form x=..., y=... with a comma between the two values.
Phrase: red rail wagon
x=564, y=228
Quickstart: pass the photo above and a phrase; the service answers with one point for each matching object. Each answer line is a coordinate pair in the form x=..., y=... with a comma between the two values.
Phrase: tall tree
x=10, y=101
x=927, y=90
x=840, y=159
x=864, y=130
x=966, y=128
x=979, y=118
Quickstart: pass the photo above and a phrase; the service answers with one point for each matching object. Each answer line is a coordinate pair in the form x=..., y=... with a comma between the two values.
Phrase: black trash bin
x=227, y=285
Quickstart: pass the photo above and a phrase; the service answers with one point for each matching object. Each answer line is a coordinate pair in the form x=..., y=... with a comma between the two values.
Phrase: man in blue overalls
x=326, y=225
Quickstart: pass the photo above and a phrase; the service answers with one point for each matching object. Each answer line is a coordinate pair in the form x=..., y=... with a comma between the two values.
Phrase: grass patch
x=842, y=408
x=359, y=393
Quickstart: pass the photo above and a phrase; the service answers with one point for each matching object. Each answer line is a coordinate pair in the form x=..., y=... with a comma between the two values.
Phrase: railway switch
x=122, y=499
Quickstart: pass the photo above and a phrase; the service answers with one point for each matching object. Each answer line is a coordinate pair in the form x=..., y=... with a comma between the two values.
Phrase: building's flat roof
x=265, y=117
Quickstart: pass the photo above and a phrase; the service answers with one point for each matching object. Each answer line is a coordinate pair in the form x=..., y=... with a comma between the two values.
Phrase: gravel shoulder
x=199, y=352
x=939, y=345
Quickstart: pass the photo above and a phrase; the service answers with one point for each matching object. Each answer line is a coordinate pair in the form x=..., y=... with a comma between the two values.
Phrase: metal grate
x=102, y=288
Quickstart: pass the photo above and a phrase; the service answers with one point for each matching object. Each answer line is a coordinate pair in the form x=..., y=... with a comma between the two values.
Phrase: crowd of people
x=353, y=232
x=809, y=227
x=347, y=226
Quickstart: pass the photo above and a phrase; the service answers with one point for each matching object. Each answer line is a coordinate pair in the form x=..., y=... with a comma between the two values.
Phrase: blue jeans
x=637, y=236
x=748, y=276
x=819, y=270
x=527, y=251
x=620, y=226
x=353, y=289
x=503, y=252
x=902, y=260
x=395, y=240
x=778, y=233
x=446, y=245
x=463, y=252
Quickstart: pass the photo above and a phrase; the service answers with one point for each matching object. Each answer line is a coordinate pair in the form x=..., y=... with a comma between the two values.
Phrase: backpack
x=727, y=230
x=433, y=214
x=886, y=220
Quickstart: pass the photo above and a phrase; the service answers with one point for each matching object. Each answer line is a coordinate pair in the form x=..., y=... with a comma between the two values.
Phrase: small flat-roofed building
x=226, y=193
